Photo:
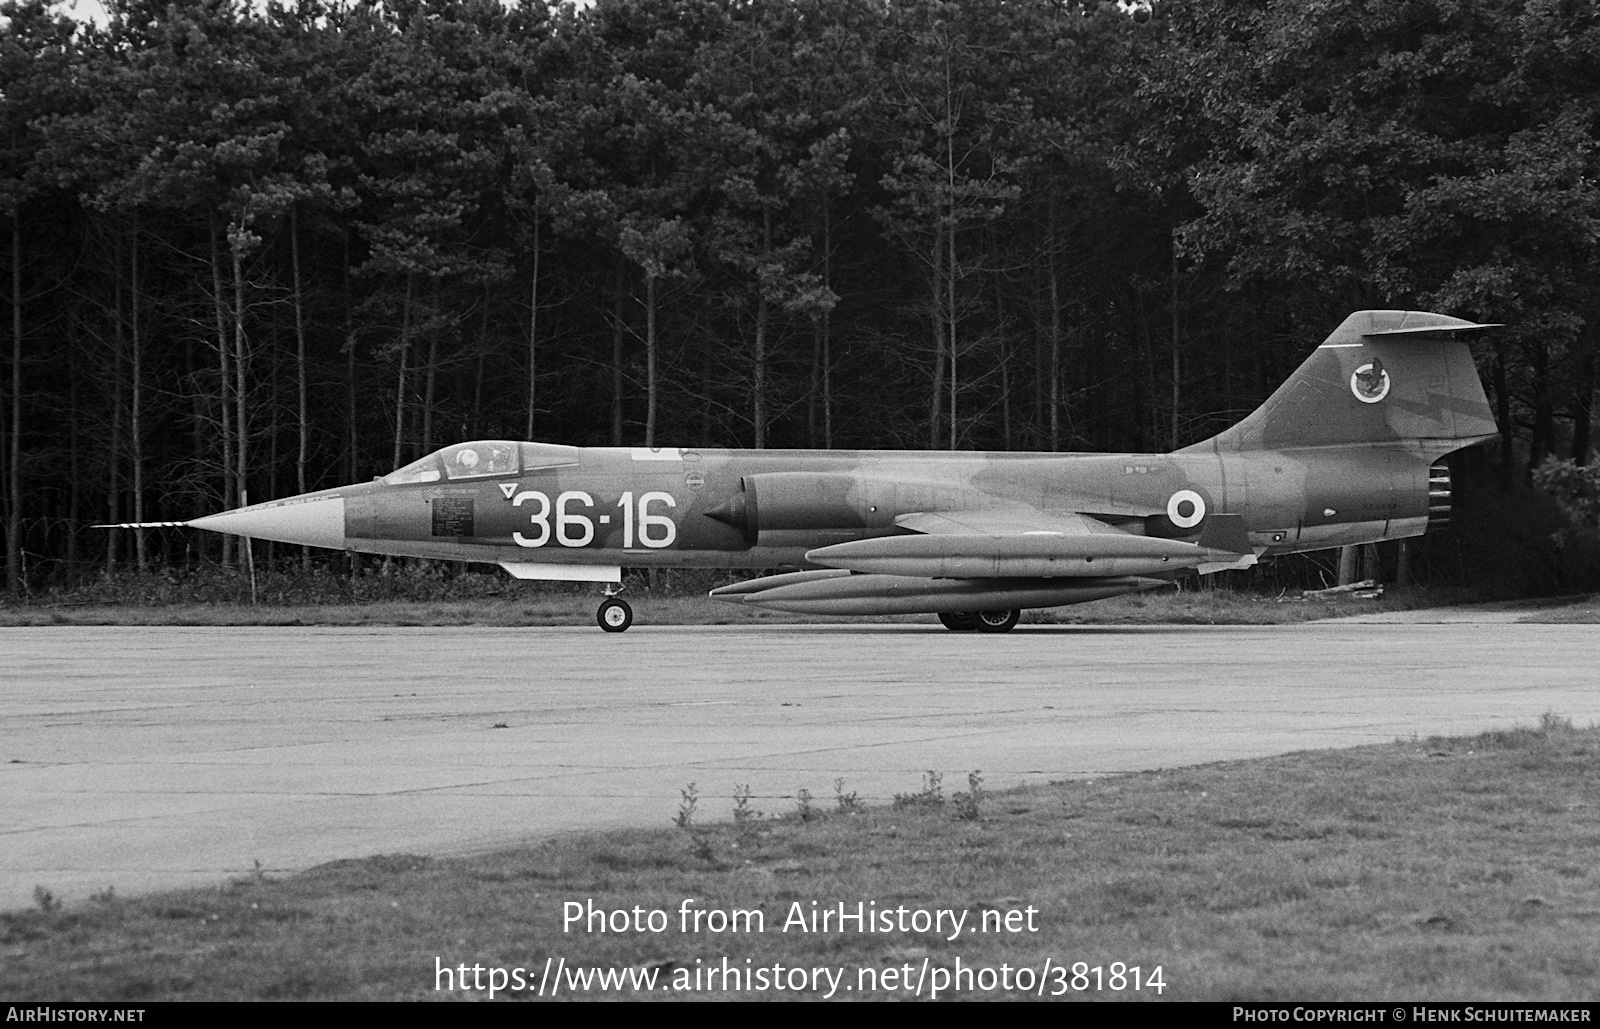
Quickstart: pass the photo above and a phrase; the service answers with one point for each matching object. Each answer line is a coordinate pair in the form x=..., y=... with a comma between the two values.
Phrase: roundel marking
x=1370, y=382
x=1186, y=509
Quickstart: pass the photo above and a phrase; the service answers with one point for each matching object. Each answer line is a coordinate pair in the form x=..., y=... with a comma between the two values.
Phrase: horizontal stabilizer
x=1427, y=331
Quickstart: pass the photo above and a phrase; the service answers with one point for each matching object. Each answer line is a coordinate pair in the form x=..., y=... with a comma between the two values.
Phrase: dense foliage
x=259, y=250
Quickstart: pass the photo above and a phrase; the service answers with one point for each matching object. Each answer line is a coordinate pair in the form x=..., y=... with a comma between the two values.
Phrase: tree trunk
x=936, y=323
x=1055, y=336
x=826, y=323
x=758, y=414
x=74, y=448
x=1349, y=565
x=430, y=390
x=14, y=459
x=400, y=379
x=475, y=417
x=651, y=398
x=352, y=430
x=1175, y=330
x=533, y=333
x=949, y=129
x=113, y=457
x=758, y=356
x=136, y=399
x=1502, y=413
x=241, y=420
x=1005, y=360
x=950, y=308
x=706, y=390
x=224, y=398
x=303, y=408
x=617, y=325
x=814, y=396
x=1583, y=409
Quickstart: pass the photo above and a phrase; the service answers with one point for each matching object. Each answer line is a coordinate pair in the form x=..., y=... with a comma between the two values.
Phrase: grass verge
x=1445, y=869
x=569, y=608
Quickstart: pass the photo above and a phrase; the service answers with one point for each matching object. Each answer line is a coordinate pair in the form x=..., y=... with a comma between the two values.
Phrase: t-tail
x=1384, y=378
x=1349, y=450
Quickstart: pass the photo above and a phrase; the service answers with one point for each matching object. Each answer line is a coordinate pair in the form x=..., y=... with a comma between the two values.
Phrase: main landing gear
x=614, y=615
x=981, y=621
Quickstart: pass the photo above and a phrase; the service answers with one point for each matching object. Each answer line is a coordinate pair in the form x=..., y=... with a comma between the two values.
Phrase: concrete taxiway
x=139, y=758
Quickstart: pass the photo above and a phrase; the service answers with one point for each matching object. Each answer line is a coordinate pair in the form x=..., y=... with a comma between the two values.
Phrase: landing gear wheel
x=614, y=615
x=959, y=621
x=998, y=621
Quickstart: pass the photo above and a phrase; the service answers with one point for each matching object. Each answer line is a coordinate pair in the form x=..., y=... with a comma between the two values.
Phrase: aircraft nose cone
x=310, y=522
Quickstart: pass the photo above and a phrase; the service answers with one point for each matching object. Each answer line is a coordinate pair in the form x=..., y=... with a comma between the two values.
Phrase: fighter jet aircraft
x=1346, y=451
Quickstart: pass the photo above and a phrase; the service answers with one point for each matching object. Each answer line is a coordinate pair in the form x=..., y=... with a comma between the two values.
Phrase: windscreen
x=462, y=461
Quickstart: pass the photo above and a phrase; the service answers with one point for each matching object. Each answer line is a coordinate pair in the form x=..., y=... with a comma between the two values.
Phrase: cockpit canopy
x=481, y=459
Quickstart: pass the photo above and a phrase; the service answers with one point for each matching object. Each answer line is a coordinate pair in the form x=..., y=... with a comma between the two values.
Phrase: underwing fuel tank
x=833, y=592
x=1042, y=556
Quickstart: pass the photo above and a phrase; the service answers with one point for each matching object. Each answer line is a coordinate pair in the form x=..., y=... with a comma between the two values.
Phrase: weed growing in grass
x=105, y=896
x=846, y=803
x=932, y=794
x=806, y=812
x=743, y=813
x=966, y=804
x=1549, y=734
x=1550, y=722
x=685, y=816
x=47, y=901
x=746, y=819
x=684, y=820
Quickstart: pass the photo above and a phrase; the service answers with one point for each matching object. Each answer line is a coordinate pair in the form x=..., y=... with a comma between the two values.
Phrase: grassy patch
x=1446, y=869
x=535, y=609
x=1582, y=612
x=675, y=605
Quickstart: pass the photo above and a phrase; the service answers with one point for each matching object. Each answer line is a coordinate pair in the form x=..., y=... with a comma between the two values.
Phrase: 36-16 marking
x=575, y=528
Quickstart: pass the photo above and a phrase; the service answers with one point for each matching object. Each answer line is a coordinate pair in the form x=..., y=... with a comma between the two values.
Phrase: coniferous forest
x=256, y=250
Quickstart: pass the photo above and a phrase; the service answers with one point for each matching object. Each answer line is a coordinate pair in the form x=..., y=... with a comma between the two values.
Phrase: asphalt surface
x=139, y=758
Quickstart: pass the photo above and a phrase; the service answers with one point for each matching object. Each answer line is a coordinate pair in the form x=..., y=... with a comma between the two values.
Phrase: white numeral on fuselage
x=576, y=528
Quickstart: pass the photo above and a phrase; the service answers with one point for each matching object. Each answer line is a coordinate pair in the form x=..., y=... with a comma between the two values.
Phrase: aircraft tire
x=998, y=621
x=959, y=621
x=614, y=615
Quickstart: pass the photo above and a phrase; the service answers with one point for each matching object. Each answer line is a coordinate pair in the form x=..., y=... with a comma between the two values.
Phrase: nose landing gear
x=614, y=614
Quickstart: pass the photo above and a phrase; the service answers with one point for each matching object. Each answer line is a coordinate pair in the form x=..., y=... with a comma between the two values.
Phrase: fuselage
x=1346, y=451
x=637, y=507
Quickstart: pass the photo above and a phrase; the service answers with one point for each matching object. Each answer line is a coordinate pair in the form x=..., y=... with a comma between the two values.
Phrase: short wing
x=1014, y=521
x=1021, y=542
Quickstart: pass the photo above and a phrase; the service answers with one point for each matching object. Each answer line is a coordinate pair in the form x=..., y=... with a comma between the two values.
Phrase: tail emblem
x=1370, y=383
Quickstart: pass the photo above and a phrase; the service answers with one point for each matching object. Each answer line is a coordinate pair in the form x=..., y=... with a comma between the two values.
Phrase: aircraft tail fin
x=1381, y=377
